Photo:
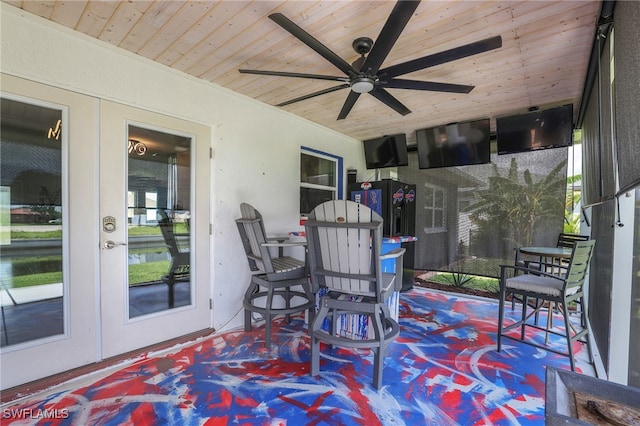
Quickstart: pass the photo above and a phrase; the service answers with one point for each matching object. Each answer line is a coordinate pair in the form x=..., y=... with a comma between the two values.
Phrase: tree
x=574, y=196
x=510, y=209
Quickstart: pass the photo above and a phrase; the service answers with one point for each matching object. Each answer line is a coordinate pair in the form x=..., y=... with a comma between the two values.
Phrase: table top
x=562, y=252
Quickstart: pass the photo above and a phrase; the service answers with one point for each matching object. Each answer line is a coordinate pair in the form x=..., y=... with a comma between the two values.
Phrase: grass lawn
x=491, y=285
x=36, y=279
x=36, y=232
x=148, y=272
x=26, y=275
x=138, y=274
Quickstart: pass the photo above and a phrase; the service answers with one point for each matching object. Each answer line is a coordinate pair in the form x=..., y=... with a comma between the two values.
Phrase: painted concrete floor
x=442, y=370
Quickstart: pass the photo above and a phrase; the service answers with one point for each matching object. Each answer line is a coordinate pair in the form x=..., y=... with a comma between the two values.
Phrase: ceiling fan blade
x=294, y=74
x=432, y=86
x=385, y=97
x=314, y=94
x=442, y=57
x=348, y=105
x=310, y=41
x=397, y=20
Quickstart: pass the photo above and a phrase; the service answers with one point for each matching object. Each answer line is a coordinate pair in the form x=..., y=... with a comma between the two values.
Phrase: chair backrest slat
x=251, y=228
x=568, y=240
x=346, y=238
x=579, y=263
x=166, y=227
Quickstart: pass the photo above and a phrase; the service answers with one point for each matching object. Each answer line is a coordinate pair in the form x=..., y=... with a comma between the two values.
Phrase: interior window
x=319, y=178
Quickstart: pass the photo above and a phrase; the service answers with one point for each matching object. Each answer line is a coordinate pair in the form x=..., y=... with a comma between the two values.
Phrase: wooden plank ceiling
x=542, y=62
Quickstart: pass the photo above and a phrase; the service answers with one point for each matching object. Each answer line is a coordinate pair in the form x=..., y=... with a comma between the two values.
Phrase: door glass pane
x=158, y=210
x=31, y=222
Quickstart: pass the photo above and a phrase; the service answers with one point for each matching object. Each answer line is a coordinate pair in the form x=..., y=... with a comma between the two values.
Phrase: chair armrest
x=529, y=270
x=398, y=255
x=291, y=244
x=393, y=254
x=245, y=220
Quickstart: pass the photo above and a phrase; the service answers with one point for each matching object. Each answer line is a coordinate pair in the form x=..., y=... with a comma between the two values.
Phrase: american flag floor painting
x=442, y=370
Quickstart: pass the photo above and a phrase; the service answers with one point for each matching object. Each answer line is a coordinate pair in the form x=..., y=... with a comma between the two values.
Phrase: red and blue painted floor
x=442, y=370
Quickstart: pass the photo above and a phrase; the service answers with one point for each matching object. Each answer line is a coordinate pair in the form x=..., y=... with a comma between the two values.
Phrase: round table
x=550, y=257
x=552, y=252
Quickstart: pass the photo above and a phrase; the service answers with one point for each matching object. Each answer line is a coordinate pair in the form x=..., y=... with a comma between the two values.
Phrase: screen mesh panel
x=591, y=175
x=470, y=219
x=627, y=92
x=600, y=276
x=599, y=172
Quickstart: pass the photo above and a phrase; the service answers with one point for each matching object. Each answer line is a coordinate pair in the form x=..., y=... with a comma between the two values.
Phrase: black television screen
x=457, y=144
x=551, y=128
x=387, y=151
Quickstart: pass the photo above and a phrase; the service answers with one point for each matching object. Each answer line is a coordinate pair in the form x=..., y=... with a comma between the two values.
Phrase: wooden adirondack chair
x=344, y=242
x=273, y=275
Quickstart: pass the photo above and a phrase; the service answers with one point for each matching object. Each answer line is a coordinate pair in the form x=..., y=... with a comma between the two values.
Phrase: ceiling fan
x=365, y=75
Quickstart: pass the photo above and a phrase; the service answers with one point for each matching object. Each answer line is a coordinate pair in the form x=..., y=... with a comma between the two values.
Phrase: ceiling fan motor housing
x=362, y=45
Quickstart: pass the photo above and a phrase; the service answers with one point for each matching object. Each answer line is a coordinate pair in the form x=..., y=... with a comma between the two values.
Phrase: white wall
x=256, y=146
x=621, y=291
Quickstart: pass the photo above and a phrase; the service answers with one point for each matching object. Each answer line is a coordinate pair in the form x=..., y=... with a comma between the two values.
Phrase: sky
x=574, y=166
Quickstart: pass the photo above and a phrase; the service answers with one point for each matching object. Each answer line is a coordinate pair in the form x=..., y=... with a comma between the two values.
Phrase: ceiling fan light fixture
x=362, y=85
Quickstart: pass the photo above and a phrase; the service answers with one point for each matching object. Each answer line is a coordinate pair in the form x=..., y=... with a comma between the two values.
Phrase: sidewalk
x=29, y=294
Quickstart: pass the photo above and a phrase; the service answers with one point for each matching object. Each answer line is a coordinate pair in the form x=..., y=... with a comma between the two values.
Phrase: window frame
x=337, y=188
x=433, y=208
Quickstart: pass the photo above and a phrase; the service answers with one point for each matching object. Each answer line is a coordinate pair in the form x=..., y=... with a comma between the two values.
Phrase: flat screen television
x=387, y=151
x=551, y=128
x=457, y=144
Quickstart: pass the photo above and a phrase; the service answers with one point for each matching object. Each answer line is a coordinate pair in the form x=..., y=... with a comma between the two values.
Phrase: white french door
x=154, y=180
x=48, y=249
x=86, y=271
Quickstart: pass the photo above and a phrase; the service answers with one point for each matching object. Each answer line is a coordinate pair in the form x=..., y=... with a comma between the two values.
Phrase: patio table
x=550, y=257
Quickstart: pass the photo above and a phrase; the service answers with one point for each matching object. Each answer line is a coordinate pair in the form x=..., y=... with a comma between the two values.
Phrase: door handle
x=110, y=244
